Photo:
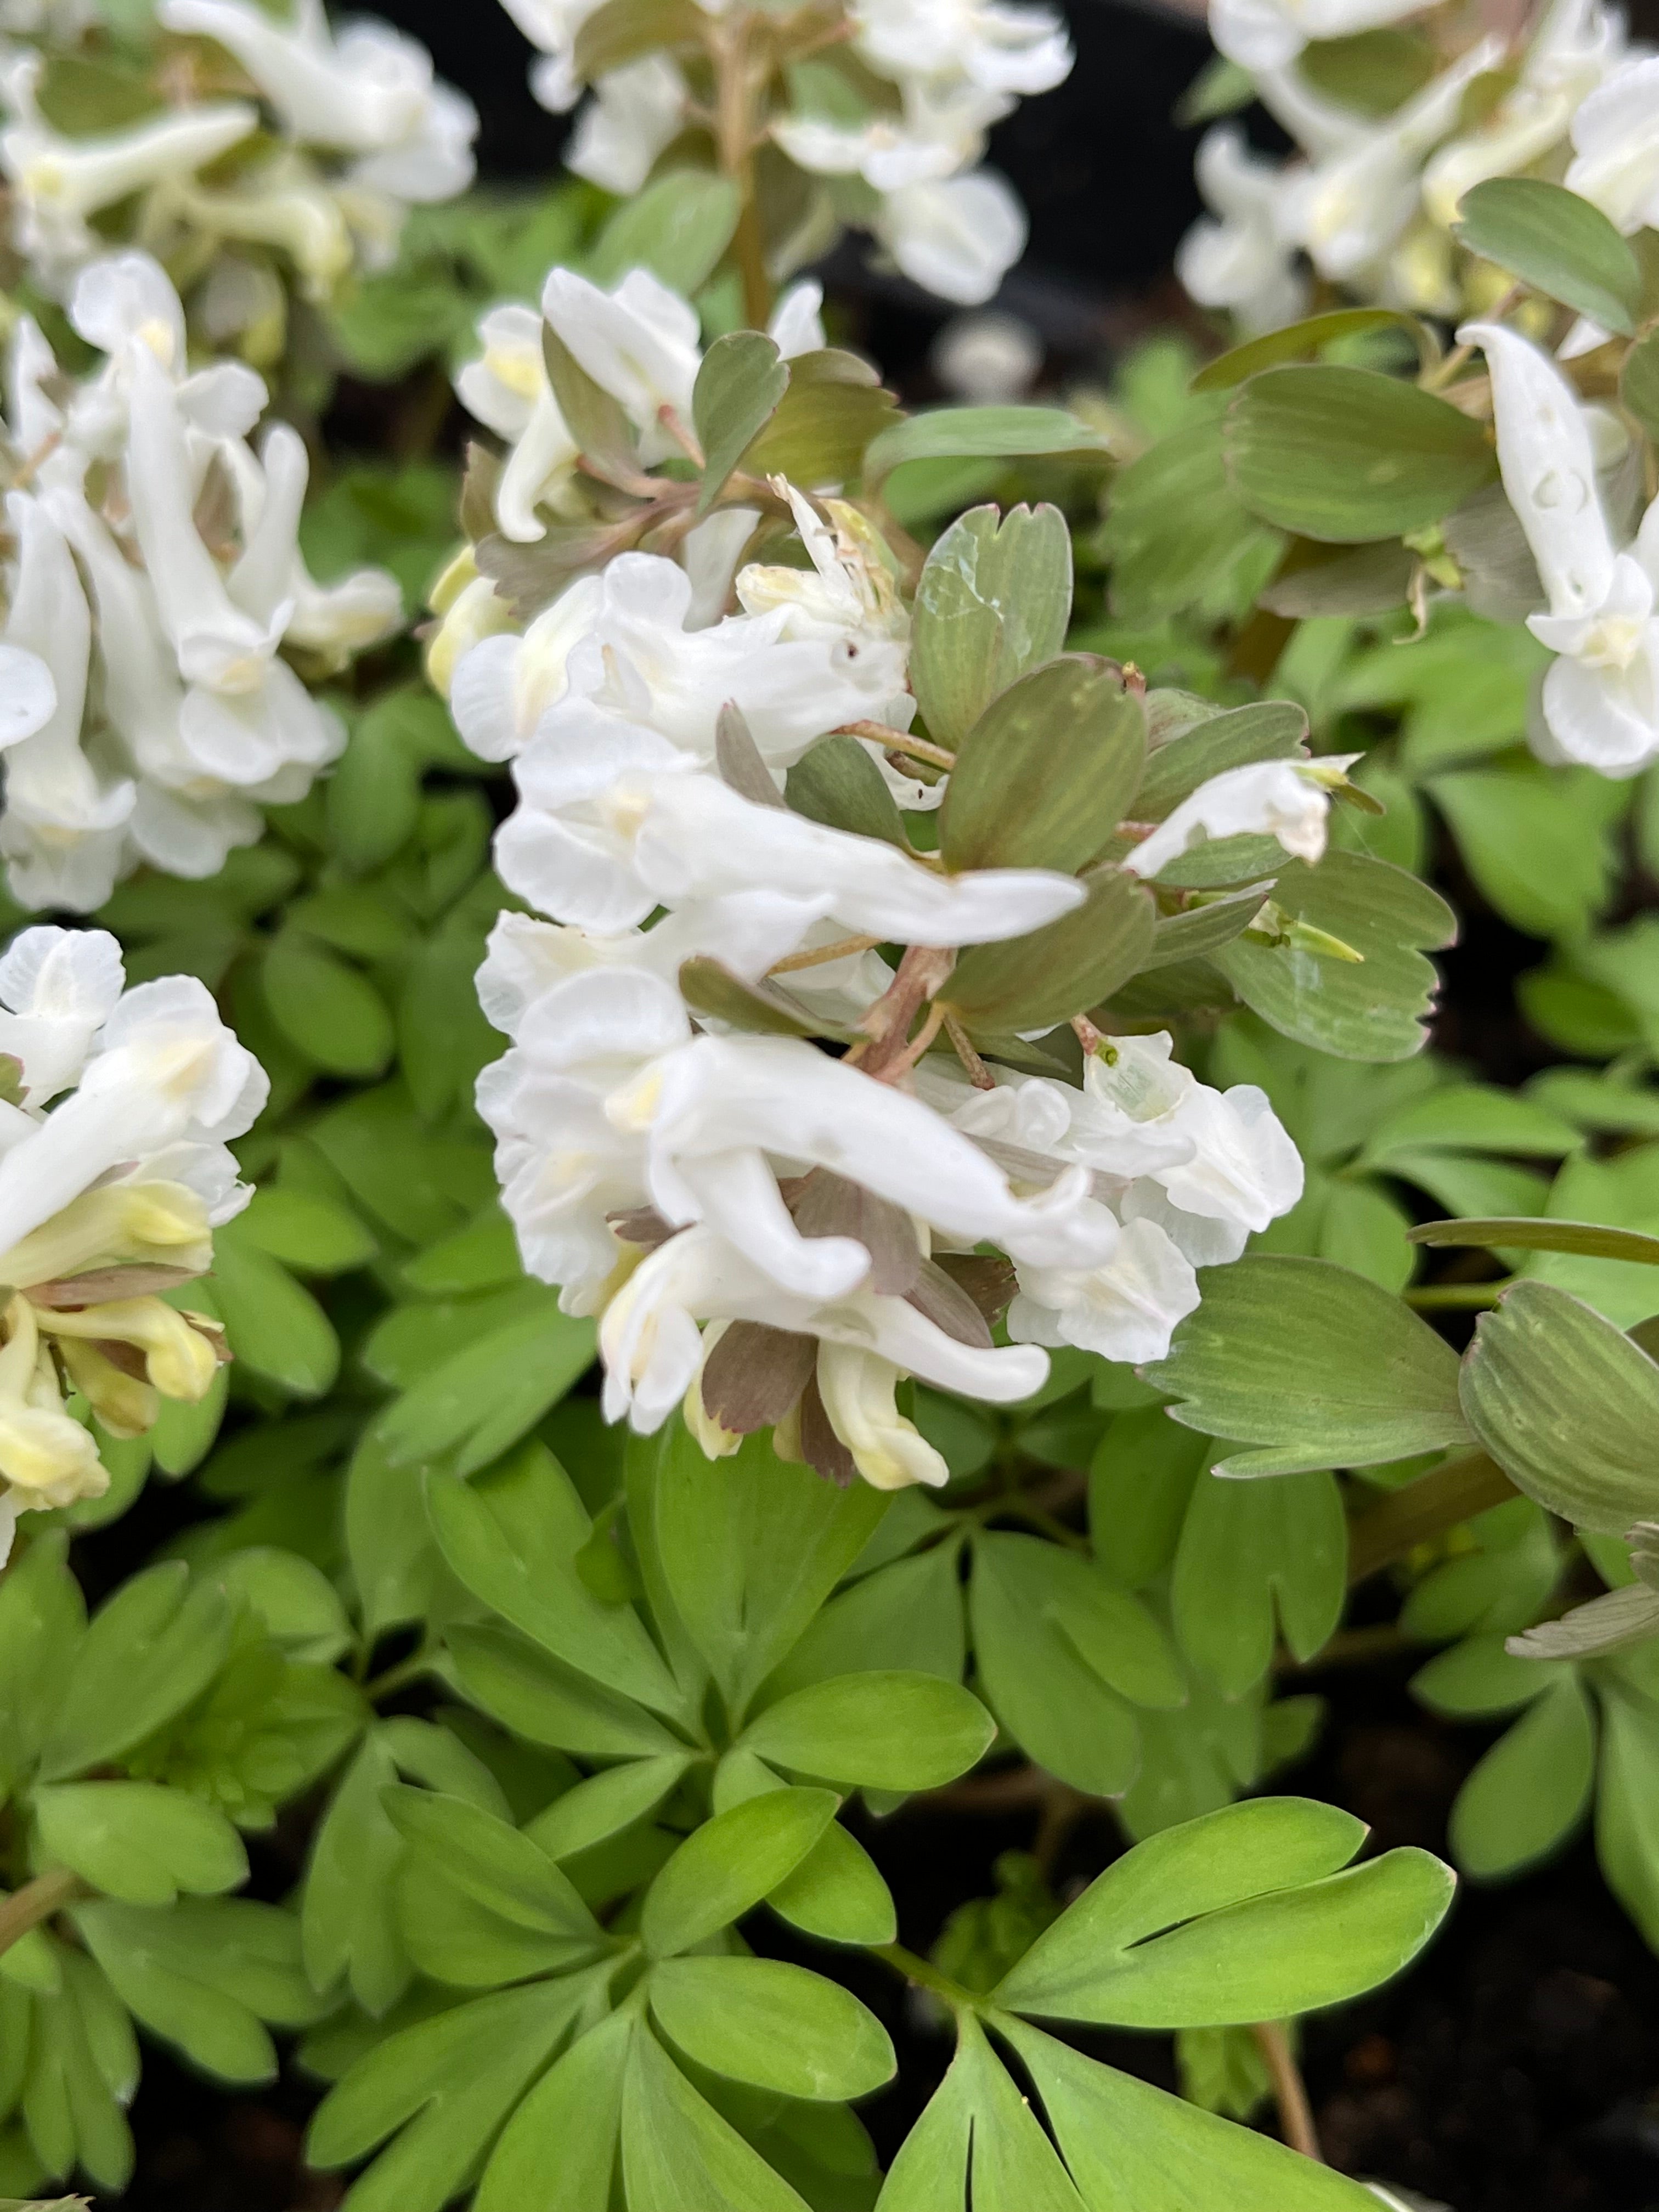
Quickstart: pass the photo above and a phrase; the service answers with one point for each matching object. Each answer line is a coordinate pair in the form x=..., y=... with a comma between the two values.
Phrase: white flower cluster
x=901, y=158
x=774, y=1235
x=1370, y=200
x=152, y=579
x=320, y=167
x=113, y=1175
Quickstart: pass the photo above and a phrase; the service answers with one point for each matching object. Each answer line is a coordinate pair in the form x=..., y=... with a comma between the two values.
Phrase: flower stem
x=36, y=1901
x=1456, y=1298
x=1436, y=1501
x=1295, y=2113
x=729, y=49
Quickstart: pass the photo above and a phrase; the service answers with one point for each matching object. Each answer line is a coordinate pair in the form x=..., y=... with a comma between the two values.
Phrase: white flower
x=507, y=389
x=1615, y=136
x=857, y=1388
x=246, y=714
x=370, y=93
x=634, y=113
x=996, y=46
x=958, y=236
x=613, y=820
x=62, y=831
x=1235, y=256
x=1288, y=800
x=1600, y=697
x=1125, y=1309
x=58, y=988
x=1263, y=34
x=714, y=1111
x=1571, y=51
x=619, y=643
x=940, y=129
x=28, y=695
x=639, y=342
x=552, y=25
x=651, y=1349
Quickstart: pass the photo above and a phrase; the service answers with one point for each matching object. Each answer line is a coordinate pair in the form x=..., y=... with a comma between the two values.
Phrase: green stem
x=36, y=1901
x=1457, y=1297
x=400, y=1676
x=729, y=50
x=922, y=1976
x=1457, y=1491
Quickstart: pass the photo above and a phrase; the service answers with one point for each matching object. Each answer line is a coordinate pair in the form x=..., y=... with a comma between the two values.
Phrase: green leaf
x=837, y=783
x=724, y=1869
x=834, y=405
x=1627, y=1803
x=42, y=1622
x=448, y=2082
x=976, y=433
x=1134, y=2148
x=542, y=1699
x=1238, y=1916
x=1041, y=1684
x=1270, y=729
x=1531, y=1791
x=679, y=2155
x=477, y=1404
x=1140, y=1479
x=1567, y=1406
x=139, y=1842
x=621, y=31
x=512, y=1538
x=1301, y=342
x=1531, y=1234
x=1047, y=772
x=1175, y=530
x=311, y=1235
x=992, y=604
x=151, y=1650
x=559, y=2150
x=1638, y=382
x=273, y=1325
x=708, y=986
x=1250, y=1550
x=678, y=228
x=737, y=393
x=907, y=1615
x=876, y=1731
x=327, y=1009
x=1469, y=1117
x=1558, y=243
x=1037, y=981
x=1548, y=867
x=205, y=1974
x=1372, y=1009
x=775, y=2027
x=487, y=1859
x=606, y=1803
x=750, y=1547
x=1344, y=455
x=1319, y=1367
x=837, y=1892
x=1375, y=72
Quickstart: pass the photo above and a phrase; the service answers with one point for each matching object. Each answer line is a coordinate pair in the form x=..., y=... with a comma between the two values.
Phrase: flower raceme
x=888, y=124
x=765, y=1111
x=311, y=174
x=114, y=1172
x=154, y=584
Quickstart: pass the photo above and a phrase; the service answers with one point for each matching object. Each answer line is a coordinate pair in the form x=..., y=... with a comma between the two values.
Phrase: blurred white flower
x=1262, y=34
x=1236, y=256
x=370, y=93
x=998, y=47
x=634, y=113
x=1615, y=136
x=958, y=236
x=986, y=359
x=639, y=342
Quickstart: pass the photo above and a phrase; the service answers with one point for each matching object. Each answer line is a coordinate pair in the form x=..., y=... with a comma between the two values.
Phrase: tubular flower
x=107, y=1200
